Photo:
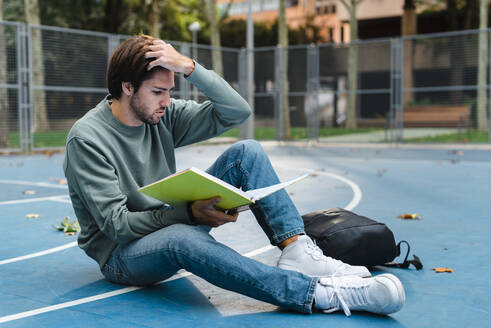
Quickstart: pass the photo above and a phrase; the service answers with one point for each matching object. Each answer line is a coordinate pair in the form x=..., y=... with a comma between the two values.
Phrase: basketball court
x=47, y=281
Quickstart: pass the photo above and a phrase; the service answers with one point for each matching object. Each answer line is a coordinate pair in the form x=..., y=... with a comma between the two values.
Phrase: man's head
x=128, y=77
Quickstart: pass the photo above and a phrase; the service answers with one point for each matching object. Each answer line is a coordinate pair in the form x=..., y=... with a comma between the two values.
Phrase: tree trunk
x=482, y=123
x=457, y=58
x=284, y=108
x=4, y=108
x=38, y=103
x=216, y=52
x=351, y=115
x=152, y=13
x=409, y=27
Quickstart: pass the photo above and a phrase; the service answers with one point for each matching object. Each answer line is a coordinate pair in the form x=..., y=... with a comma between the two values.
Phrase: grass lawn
x=58, y=138
x=42, y=139
x=475, y=136
x=297, y=133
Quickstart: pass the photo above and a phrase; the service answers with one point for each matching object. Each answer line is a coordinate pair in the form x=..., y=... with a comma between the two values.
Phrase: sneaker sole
x=293, y=268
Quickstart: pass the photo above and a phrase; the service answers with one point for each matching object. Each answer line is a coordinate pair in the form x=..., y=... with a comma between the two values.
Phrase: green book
x=193, y=184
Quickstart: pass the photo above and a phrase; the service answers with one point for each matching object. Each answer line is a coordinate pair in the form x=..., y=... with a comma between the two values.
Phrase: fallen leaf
x=60, y=181
x=29, y=192
x=413, y=216
x=440, y=270
x=68, y=227
x=33, y=216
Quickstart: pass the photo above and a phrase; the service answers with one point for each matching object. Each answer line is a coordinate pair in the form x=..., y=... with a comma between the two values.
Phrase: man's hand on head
x=166, y=56
x=205, y=213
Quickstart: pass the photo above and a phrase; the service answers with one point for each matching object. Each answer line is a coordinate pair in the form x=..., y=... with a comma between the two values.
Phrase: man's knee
x=248, y=146
x=177, y=235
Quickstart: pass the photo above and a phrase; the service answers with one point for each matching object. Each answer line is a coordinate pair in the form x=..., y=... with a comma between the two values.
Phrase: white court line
x=89, y=299
x=45, y=252
x=37, y=184
x=61, y=198
x=57, y=198
x=357, y=195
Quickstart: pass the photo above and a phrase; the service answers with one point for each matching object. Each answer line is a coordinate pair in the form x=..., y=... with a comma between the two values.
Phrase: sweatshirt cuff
x=201, y=77
x=175, y=214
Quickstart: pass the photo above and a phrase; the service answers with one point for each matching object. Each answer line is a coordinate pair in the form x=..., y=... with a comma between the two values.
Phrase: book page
x=257, y=194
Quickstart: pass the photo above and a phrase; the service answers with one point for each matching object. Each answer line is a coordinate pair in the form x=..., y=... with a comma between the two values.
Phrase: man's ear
x=127, y=88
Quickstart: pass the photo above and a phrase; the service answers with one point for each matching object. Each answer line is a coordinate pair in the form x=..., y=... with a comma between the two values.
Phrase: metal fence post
x=24, y=81
x=396, y=90
x=312, y=111
x=278, y=95
x=246, y=130
x=183, y=84
x=112, y=44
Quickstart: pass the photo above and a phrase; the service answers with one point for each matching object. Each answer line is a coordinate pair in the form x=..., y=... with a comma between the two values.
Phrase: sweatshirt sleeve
x=95, y=182
x=192, y=122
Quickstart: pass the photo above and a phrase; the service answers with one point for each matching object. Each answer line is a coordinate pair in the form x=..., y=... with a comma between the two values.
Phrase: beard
x=142, y=112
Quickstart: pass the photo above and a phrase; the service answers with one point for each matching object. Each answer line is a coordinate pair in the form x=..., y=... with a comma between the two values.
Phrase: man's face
x=150, y=101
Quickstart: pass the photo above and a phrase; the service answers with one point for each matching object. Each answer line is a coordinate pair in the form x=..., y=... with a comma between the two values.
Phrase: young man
x=128, y=141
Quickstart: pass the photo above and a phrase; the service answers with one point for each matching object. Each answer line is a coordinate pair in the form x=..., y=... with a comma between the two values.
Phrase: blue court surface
x=46, y=281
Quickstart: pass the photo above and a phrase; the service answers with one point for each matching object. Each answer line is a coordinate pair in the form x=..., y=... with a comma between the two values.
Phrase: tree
x=216, y=52
x=351, y=114
x=152, y=13
x=284, y=107
x=41, y=123
x=4, y=106
x=409, y=27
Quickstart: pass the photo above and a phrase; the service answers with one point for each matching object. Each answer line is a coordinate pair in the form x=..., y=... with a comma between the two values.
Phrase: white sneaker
x=381, y=294
x=304, y=256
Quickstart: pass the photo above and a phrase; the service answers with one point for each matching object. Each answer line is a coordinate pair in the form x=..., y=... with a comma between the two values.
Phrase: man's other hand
x=166, y=56
x=205, y=213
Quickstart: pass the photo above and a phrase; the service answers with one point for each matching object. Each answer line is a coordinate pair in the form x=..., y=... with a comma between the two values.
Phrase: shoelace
x=356, y=295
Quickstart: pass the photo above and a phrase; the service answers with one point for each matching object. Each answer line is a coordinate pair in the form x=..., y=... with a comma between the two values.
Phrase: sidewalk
x=376, y=139
x=382, y=136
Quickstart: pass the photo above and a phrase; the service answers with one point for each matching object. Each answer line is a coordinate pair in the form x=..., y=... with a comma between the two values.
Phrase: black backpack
x=355, y=239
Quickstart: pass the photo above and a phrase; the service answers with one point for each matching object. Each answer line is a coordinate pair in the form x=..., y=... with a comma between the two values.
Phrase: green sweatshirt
x=107, y=161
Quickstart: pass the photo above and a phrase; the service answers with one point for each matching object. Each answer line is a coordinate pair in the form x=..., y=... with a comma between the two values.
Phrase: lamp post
x=247, y=129
x=194, y=27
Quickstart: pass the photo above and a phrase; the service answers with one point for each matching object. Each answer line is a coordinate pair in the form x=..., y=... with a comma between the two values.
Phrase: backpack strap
x=405, y=265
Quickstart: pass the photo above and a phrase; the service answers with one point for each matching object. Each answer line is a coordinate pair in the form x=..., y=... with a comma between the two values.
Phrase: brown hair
x=128, y=64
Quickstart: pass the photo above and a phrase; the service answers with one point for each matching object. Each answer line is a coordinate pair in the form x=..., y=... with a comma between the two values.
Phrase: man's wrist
x=189, y=207
x=189, y=67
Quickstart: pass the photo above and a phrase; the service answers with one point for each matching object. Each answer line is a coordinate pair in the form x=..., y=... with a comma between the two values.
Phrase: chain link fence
x=384, y=90
x=13, y=87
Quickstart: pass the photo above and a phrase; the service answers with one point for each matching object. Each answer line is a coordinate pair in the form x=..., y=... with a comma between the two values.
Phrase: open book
x=193, y=184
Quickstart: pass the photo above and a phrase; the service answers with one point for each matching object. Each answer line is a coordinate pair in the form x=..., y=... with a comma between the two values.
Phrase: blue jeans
x=161, y=254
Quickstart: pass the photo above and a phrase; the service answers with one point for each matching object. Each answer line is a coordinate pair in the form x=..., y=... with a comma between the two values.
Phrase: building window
x=331, y=9
x=292, y=3
x=330, y=31
x=342, y=34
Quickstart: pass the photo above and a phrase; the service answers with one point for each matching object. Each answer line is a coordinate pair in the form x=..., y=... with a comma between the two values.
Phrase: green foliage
x=297, y=133
x=233, y=34
x=463, y=137
x=66, y=226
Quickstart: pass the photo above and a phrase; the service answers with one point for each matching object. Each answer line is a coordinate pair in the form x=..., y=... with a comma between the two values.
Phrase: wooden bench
x=457, y=116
